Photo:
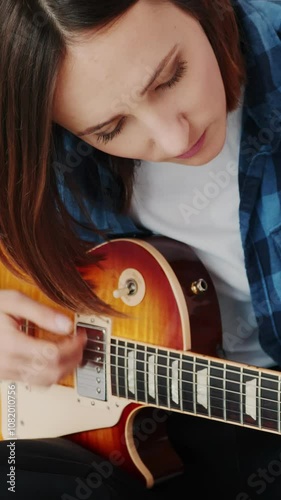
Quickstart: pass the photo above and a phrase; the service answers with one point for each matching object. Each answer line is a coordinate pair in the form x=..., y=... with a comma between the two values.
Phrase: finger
x=8, y=322
x=71, y=357
x=16, y=303
x=46, y=362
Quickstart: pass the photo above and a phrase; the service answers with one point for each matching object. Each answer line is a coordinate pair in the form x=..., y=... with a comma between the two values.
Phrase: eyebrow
x=161, y=66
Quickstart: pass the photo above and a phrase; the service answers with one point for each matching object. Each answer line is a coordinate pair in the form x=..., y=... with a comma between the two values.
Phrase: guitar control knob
x=131, y=287
x=200, y=286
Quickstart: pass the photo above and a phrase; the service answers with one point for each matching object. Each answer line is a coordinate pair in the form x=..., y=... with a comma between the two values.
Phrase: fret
x=113, y=368
x=168, y=380
x=127, y=371
x=209, y=389
x=117, y=369
x=130, y=379
x=202, y=388
x=259, y=400
x=162, y=378
x=241, y=397
x=217, y=390
x=250, y=400
x=180, y=383
x=151, y=379
x=233, y=393
x=270, y=402
x=224, y=393
x=187, y=385
x=145, y=373
x=156, y=377
x=141, y=374
x=151, y=374
x=121, y=369
x=174, y=381
x=194, y=386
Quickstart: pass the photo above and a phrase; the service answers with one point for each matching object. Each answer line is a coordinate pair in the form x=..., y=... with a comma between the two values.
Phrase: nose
x=169, y=135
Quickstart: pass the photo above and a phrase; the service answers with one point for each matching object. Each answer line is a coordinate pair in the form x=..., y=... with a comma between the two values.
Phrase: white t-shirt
x=200, y=207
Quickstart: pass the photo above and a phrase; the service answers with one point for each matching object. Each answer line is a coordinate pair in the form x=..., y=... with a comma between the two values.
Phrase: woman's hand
x=28, y=359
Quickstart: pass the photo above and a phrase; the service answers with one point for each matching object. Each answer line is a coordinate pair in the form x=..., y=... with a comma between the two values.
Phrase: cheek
x=214, y=86
x=207, y=81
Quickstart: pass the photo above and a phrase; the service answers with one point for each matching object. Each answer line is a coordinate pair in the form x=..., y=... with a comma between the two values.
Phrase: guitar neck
x=196, y=384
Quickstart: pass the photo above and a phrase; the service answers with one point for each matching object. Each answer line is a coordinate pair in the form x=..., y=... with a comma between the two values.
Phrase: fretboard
x=196, y=385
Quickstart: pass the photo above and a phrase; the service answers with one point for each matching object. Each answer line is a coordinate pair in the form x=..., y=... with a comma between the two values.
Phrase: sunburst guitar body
x=162, y=354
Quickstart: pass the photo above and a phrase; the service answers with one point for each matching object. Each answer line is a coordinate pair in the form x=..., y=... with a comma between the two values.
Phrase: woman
x=190, y=89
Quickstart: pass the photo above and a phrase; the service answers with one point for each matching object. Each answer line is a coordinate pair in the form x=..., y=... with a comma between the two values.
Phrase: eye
x=105, y=138
x=180, y=72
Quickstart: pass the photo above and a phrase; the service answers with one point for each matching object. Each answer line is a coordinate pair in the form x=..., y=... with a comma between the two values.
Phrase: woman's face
x=103, y=84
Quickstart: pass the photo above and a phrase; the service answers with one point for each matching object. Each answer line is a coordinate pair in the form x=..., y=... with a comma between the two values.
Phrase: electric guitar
x=163, y=354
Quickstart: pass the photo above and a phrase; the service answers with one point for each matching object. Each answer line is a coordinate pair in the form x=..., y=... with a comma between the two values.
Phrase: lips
x=195, y=149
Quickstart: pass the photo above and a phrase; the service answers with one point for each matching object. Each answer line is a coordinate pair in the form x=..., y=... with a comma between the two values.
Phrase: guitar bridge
x=91, y=375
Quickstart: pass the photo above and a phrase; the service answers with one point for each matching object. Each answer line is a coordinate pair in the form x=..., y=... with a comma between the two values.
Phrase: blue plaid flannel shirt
x=259, y=171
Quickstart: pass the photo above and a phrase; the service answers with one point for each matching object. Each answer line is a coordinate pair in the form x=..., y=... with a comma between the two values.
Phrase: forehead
x=101, y=67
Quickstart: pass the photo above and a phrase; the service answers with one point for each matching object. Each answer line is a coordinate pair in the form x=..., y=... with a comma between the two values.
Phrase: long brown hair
x=38, y=237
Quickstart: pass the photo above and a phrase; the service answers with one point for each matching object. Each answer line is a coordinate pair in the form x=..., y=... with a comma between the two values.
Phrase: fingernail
x=63, y=323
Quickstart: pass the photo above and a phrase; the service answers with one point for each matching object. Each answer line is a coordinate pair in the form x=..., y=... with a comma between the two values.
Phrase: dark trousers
x=221, y=460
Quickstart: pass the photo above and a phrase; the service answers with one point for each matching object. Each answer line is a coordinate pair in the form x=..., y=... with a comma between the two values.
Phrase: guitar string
x=226, y=400
x=200, y=362
x=195, y=385
x=190, y=402
x=184, y=372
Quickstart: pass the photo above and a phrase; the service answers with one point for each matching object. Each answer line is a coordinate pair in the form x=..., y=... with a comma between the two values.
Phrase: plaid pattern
x=260, y=165
x=259, y=170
